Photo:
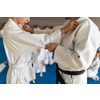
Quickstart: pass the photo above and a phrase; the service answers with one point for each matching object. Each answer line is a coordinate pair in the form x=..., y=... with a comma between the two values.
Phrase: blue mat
x=48, y=78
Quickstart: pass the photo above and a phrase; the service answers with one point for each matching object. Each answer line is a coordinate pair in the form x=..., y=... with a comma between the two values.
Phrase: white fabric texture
x=2, y=66
x=19, y=44
x=77, y=49
x=92, y=71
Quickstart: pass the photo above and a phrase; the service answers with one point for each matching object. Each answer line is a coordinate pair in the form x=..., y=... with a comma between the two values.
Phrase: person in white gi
x=2, y=66
x=92, y=71
x=50, y=59
x=19, y=44
x=41, y=61
x=76, y=51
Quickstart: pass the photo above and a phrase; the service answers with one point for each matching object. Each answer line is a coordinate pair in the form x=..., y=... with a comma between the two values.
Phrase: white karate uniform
x=77, y=50
x=40, y=60
x=31, y=75
x=18, y=46
x=1, y=33
x=92, y=71
x=50, y=59
x=2, y=66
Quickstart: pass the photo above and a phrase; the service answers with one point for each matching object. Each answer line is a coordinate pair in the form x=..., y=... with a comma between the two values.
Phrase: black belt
x=60, y=79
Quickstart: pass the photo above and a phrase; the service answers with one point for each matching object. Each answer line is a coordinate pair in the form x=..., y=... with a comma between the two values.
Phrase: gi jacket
x=78, y=48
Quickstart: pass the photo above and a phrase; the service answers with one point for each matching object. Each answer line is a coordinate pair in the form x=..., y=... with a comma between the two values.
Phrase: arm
x=23, y=42
x=36, y=31
x=81, y=57
x=70, y=26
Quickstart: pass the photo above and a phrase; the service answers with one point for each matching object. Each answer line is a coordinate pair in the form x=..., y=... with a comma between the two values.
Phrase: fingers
x=75, y=24
x=24, y=26
x=51, y=47
x=47, y=46
x=74, y=27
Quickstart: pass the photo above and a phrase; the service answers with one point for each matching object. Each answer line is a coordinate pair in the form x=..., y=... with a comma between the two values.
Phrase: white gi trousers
x=17, y=74
x=75, y=79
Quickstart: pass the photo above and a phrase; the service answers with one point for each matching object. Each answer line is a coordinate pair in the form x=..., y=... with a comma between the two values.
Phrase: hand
x=28, y=29
x=44, y=64
x=97, y=78
x=5, y=62
x=71, y=26
x=51, y=47
x=33, y=60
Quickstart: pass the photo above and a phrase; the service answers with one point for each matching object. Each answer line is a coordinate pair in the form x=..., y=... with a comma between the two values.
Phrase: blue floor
x=48, y=78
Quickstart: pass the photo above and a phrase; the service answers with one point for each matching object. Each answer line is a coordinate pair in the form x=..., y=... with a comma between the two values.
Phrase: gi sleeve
x=25, y=42
x=46, y=58
x=48, y=31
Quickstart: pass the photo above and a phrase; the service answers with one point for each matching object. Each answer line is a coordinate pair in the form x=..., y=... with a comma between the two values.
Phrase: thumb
x=48, y=45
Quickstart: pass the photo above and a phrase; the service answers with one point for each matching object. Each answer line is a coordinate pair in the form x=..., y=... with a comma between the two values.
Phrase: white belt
x=19, y=65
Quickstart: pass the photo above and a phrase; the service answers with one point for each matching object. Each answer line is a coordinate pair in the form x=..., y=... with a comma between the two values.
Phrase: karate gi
x=2, y=66
x=40, y=59
x=19, y=44
x=50, y=59
x=92, y=71
x=74, y=54
x=31, y=74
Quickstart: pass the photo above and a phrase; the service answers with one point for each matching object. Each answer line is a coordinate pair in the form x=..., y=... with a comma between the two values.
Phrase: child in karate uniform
x=93, y=69
x=40, y=60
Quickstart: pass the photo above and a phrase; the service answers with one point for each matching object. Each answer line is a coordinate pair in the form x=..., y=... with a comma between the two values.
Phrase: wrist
x=32, y=31
x=62, y=31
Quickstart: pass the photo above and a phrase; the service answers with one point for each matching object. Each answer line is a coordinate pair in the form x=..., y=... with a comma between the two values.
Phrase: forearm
x=49, y=31
x=63, y=31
